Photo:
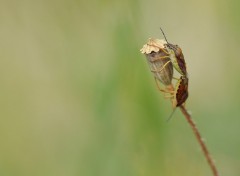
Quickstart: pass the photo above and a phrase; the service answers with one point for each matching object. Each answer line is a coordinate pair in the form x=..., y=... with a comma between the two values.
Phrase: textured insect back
x=159, y=60
x=181, y=92
x=177, y=58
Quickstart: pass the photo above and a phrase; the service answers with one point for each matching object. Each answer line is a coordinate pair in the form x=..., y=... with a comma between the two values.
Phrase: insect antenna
x=171, y=115
x=164, y=35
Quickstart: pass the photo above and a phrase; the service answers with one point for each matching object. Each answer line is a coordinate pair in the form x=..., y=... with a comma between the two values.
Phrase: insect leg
x=159, y=58
x=165, y=51
x=169, y=96
x=162, y=90
x=176, y=78
x=161, y=68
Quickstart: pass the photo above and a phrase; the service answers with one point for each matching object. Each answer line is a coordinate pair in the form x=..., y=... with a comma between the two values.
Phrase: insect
x=176, y=56
x=181, y=92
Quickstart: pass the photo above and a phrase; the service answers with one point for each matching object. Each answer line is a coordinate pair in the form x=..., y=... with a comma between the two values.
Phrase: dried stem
x=200, y=140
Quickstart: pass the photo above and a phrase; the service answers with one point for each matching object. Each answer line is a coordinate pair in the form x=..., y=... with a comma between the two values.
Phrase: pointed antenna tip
x=164, y=35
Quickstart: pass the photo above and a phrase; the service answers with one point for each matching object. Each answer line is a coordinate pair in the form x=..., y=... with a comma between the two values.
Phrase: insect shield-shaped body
x=177, y=58
x=181, y=92
x=159, y=61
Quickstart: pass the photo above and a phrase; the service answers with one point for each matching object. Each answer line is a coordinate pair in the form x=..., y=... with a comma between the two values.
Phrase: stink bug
x=176, y=57
x=181, y=92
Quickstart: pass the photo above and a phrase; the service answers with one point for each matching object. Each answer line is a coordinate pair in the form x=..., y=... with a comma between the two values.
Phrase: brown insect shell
x=157, y=56
x=181, y=92
x=177, y=58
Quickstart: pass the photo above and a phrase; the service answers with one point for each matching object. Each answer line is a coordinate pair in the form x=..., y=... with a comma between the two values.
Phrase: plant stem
x=200, y=141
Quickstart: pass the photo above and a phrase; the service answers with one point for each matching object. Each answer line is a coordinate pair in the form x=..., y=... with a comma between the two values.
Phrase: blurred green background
x=78, y=99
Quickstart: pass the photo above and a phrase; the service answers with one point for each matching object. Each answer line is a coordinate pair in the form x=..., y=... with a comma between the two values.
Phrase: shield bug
x=159, y=62
x=181, y=92
x=176, y=56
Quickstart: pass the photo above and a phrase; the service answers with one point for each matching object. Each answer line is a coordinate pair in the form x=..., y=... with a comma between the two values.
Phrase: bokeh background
x=78, y=99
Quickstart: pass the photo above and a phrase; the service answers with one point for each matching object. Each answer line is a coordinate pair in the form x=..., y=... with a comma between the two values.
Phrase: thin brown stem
x=200, y=141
